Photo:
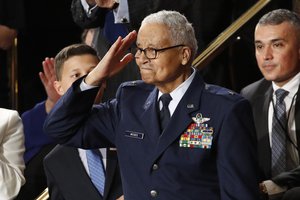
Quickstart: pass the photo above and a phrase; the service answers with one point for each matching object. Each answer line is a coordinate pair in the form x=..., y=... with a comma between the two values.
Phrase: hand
x=263, y=188
x=7, y=36
x=120, y=198
x=113, y=61
x=105, y=3
x=48, y=77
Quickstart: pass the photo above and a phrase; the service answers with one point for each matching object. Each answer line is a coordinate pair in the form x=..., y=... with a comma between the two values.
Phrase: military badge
x=198, y=134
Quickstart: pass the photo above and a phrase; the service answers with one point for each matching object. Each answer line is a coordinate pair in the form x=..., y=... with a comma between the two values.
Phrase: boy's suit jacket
x=68, y=180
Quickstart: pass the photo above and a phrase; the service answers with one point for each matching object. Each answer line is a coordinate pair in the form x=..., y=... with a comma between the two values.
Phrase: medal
x=198, y=134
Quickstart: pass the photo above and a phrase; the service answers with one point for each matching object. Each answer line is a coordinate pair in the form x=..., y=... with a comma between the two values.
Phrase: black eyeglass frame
x=155, y=50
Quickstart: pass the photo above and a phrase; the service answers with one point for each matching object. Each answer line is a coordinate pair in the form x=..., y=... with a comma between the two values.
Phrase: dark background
x=49, y=27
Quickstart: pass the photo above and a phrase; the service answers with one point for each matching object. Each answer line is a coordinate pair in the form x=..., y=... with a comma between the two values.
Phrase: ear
x=186, y=55
x=58, y=88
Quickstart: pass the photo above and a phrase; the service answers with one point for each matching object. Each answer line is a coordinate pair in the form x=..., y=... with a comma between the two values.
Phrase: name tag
x=135, y=135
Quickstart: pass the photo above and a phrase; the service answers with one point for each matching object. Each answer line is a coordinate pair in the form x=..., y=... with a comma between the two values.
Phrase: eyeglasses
x=151, y=53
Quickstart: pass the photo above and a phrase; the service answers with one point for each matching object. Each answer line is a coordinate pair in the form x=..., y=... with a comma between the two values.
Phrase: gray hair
x=182, y=32
x=279, y=16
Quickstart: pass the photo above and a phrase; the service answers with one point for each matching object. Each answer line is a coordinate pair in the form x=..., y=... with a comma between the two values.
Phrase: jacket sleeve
x=290, y=179
x=11, y=155
x=53, y=189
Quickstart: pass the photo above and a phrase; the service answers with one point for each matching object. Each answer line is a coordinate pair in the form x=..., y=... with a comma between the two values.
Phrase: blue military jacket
x=207, y=151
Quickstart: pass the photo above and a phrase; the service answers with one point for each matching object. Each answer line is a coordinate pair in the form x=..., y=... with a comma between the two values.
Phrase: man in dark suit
x=277, y=45
x=105, y=33
x=204, y=145
x=203, y=14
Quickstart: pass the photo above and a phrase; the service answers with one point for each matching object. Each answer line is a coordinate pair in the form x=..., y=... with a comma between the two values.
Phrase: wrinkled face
x=74, y=68
x=169, y=68
x=277, y=51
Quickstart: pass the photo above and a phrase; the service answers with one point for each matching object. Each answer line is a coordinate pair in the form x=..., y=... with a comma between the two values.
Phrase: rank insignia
x=198, y=134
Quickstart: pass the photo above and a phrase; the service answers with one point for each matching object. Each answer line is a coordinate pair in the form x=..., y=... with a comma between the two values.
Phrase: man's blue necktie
x=164, y=113
x=96, y=169
x=279, y=133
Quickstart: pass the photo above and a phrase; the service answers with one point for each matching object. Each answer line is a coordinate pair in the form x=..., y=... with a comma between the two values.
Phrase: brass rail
x=44, y=195
x=14, y=90
x=211, y=51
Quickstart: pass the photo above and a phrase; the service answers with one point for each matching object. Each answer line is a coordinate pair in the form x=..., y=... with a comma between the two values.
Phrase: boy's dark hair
x=68, y=52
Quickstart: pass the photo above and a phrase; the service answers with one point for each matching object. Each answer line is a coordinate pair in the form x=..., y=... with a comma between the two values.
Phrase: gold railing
x=12, y=60
x=214, y=47
x=14, y=74
x=44, y=195
x=211, y=51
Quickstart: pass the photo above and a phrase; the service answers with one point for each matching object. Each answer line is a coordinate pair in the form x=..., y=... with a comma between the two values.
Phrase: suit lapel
x=77, y=171
x=261, y=121
x=111, y=164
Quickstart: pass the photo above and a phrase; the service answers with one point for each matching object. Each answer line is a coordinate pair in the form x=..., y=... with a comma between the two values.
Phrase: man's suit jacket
x=68, y=180
x=152, y=163
x=260, y=94
x=102, y=45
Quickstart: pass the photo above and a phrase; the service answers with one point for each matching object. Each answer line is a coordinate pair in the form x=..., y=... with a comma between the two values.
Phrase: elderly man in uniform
x=177, y=137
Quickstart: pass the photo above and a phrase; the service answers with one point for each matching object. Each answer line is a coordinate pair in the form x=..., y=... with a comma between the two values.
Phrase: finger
x=49, y=69
x=127, y=59
x=122, y=64
x=43, y=78
x=45, y=64
x=52, y=67
x=127, y=42
x=51, y=62
x=115, y=47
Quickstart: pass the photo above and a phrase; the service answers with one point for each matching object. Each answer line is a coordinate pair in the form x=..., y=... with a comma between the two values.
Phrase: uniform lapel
x=181, y=118
x=149, y=118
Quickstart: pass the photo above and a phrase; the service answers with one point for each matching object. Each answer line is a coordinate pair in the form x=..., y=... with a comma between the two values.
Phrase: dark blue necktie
x=96, y=169
x=111, y=30
x=164, y=112
x=279, y=133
